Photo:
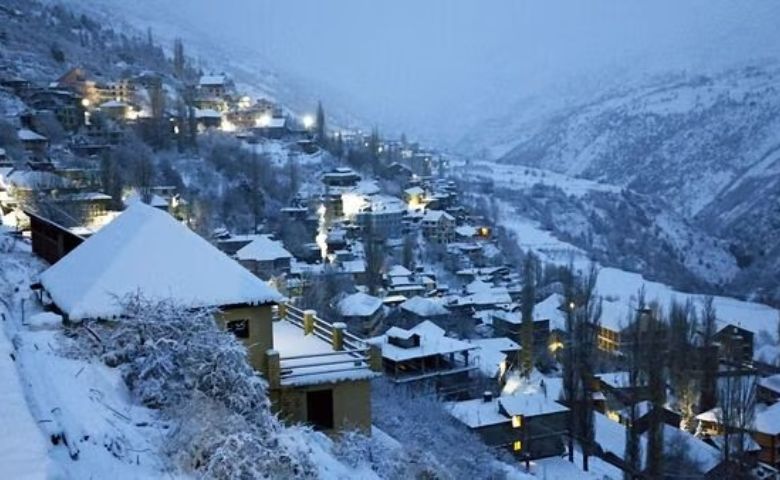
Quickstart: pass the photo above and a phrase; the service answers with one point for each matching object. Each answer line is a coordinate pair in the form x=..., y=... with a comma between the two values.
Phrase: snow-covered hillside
x=707, y=146
x=614, y=225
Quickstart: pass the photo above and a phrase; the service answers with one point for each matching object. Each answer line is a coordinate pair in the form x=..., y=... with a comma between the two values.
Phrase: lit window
x=517, y=421
x=517, y=446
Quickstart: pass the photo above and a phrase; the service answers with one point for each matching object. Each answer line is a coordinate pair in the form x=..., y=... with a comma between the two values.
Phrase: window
x=517, y=421
x=517, y=446
x=240, y=328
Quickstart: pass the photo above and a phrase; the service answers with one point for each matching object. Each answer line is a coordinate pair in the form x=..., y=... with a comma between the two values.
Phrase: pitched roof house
x=146, y=251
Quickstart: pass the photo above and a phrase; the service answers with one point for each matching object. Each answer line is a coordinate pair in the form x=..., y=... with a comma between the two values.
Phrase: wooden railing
x=350, y=352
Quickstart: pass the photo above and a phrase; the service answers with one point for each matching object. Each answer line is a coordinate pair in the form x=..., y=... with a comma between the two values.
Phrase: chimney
x=487, y=396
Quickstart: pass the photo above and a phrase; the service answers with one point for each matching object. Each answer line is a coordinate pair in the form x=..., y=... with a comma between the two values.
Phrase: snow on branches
x=179, y=361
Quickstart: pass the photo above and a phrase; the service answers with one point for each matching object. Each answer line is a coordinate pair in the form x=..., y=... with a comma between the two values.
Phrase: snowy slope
x=614, y=225
x=618, y=287
x=708, y=147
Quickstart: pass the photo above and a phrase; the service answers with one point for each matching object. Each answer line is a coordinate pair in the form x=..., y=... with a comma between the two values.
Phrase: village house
x=317, y=372
x=735, y=344
x=424, y=353
x=643, y=412
x=382, y=217
x=207, y=118
x=401, y=281
x=619, y=393
x=438, y=227
x=215, y=85
x=419, y=309
x=414, y=197
x=33, y=142
x=65, y=105
x=363, y=313
x=510, y=324
x=340, y=177
x=274, y=127
x=703, y=459
x=768, y=389
x=265, y=257
x=116, y=110
x=529, y=423
x=766, y=432
x=496, y=356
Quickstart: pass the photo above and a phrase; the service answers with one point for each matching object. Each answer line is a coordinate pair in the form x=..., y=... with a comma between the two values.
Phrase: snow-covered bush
x=221, y=444
x=181, y=362
x=435, y=444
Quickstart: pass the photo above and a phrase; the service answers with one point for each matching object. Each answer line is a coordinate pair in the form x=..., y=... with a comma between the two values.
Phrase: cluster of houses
x=451, y=325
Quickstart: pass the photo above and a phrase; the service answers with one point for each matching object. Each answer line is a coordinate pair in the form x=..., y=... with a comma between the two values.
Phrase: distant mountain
x=708, y=146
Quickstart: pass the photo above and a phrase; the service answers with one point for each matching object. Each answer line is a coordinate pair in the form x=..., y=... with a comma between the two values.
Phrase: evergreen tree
x=527, y=325
x=708, y=355
x=321, y=133
x=178, y=58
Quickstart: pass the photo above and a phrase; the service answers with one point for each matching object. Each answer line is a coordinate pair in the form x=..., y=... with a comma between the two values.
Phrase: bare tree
x=684, y=374
x=736, y=413
x=583, y=314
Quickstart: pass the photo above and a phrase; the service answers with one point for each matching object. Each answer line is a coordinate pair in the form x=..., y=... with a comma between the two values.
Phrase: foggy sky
x=435, y=67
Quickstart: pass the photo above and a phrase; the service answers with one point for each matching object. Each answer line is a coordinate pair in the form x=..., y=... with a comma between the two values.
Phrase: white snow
x=24, y=448
x=424, y=307
x=432, y=342
x=146, y=250
x=263, y=248
x=359, y=305
x=290, y=341
x=27, y=135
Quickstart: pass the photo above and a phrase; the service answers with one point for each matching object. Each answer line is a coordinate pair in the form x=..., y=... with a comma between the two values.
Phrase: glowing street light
x=308, y=121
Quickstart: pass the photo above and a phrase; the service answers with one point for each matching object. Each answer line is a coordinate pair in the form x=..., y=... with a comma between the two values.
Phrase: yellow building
x=317, y=372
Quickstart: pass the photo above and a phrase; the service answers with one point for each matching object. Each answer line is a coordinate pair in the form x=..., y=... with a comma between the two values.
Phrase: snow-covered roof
x=478, y=413
x=398, y=271
x=386, y=204
x=492, y=353
x=359, y=305
x=27, y=135
x=145, y=250
x=212, y=80
x=414, y=191
x=529, y=404
x=290, y=341
x=87, y=196
x=113, y=104
x=134, y=196
x=35, y=179
x=615, y=379
x=432, y=342
x=207, y=113
x=277, y=122
x=771, y=383
x=424, y=307
x=353, y=266
x=548, y=309
x=768, y=420
x=466, y=230
x=263, y=249
x=435, y=216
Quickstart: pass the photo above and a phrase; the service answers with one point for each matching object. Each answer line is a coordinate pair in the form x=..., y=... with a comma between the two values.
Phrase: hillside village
x=342, y=264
